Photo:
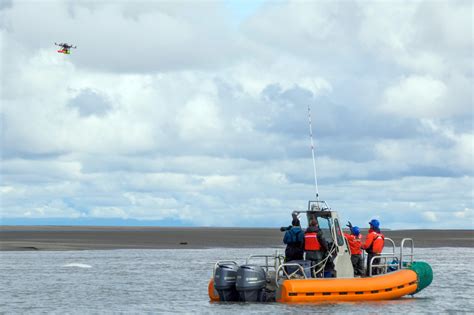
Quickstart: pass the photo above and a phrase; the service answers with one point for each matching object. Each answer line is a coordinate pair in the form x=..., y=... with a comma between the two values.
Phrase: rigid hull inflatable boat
x=266, y=278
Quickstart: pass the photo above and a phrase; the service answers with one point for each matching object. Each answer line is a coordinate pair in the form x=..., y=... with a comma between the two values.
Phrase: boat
x=265, y=278
x=268, y=278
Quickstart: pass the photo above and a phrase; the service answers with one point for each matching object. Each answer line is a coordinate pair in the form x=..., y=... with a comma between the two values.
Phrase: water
x=165, y=281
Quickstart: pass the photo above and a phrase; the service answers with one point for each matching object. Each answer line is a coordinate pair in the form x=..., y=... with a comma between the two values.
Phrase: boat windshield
x=325, y=226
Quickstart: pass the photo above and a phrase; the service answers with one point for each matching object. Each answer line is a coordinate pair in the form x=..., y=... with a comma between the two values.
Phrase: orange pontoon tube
x=384, y=287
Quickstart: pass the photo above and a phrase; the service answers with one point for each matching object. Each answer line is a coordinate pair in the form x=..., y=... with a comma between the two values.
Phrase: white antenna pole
x=312, y=152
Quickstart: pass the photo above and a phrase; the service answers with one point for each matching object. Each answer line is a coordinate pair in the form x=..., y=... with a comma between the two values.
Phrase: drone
x=65, y=48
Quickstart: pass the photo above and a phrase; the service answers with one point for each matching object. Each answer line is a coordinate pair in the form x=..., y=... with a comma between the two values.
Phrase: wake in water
x=78, y=265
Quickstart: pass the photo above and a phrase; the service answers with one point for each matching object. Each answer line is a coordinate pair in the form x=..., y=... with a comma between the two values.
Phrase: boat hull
x=384, y=287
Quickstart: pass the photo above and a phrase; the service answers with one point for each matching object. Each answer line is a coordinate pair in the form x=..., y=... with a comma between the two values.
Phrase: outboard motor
x=251, y=282
x=224, y=281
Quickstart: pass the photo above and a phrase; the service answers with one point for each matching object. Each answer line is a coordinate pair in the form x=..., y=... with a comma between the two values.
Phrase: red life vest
x=311, y=241
x=355, y=243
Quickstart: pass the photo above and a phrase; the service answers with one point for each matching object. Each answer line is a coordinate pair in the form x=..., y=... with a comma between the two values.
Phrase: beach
x=15, y=238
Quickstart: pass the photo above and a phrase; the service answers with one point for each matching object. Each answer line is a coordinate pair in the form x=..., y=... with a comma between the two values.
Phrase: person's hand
x=349, y=225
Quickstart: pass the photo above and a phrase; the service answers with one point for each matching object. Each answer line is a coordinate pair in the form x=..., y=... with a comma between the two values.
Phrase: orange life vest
x=374, y=242
x=311, y=241
x=379, y=241
x=355, y=243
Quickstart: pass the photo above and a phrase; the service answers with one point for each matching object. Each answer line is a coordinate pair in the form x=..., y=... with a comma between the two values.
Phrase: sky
x=193, y=113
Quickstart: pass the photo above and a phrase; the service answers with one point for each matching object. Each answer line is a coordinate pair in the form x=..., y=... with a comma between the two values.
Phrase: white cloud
x=108, y=212
x=53, y=209
x=417, y=96
x=466, y=214
x=206, y=123
x=199, y=119
x=430, y=216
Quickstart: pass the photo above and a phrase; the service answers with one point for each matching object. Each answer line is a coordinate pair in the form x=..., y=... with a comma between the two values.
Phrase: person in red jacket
x=374, y=245
x=314, y=246
x=355, y=243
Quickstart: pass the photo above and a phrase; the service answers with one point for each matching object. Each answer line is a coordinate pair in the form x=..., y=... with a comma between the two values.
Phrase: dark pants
x=375, y=271
x=315, y=256
x=293, y=253
x=357, y=264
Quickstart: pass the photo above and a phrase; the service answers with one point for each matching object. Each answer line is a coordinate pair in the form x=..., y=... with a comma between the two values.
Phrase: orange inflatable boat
x=265, y=278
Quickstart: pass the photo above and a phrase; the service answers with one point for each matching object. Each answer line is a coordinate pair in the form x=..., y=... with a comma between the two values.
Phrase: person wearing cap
x=355, y=246
x=293, y=239
x=373, y=245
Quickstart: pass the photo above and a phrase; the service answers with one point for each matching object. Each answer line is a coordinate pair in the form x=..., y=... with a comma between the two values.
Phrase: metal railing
x=403, y=255
x=387, y=241
x=383, y=265
x=390, y=260
x=392, y=243
x=277, y=259
x=291, y=275
x=397, y=260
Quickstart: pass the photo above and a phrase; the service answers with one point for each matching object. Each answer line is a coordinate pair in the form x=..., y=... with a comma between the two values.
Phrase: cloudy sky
x=195, y=113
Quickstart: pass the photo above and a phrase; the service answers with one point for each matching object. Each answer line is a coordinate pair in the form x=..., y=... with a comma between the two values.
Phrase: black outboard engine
x=224, y=281
x=251, y=282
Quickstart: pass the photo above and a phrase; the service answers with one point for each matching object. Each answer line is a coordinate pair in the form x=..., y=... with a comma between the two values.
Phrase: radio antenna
x=312, y=152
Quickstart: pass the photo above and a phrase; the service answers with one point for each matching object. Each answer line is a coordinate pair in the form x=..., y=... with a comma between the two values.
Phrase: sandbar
x=14, y=238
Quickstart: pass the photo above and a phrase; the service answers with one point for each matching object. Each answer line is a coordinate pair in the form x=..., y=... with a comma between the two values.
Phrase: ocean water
x=175, y=281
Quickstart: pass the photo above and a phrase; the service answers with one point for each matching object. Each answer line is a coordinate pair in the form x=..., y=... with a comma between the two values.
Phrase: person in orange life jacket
x=355, y=243
x=294, y=241
x=373, y=245
x=314, y=245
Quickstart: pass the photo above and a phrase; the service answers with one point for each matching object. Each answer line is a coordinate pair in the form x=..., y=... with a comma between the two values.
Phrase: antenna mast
x=312, y=152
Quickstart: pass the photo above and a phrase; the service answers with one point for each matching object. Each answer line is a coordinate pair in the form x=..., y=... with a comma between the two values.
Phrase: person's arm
x=286, y=238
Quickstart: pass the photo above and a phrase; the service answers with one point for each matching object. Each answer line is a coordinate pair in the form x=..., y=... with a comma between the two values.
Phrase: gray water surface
x=160, y=281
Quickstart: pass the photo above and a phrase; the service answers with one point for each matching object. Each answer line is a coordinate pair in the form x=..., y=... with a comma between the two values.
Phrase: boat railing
x=277, y=259
x=383, y=264
x=403, y=254
x=318, y=205
x=398, y=261
x=392, y=252
x=222, y=262
x=299, y=271
x=392, y=246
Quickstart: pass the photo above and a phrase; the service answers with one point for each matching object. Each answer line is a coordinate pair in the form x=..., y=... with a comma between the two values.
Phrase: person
x=355, y=246
x=373, y=245
x=314, y=246
x=293, y=239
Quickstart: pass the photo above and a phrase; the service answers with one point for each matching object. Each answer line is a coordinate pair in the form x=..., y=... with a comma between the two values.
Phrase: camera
x=285, y=228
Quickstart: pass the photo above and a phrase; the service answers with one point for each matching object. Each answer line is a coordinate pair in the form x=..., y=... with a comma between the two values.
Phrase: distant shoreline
x=16, y=238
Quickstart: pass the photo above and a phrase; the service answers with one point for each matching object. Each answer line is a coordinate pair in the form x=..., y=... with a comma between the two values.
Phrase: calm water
x=159, y=281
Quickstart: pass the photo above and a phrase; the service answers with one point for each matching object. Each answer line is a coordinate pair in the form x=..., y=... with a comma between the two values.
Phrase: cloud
x=158, y=36
x=430, y=216
x=205, y=121
x=89, y=103
x=467, y=214
x=417, y=97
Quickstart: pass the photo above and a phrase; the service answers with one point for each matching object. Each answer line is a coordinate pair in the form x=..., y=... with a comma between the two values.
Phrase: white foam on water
x=77, y=265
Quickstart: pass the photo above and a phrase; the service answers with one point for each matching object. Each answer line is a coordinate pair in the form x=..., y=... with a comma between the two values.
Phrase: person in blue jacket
x=294, y=240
